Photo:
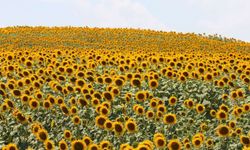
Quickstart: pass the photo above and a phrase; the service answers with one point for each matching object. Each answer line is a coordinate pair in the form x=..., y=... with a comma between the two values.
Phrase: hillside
x=109, y=89
x=121, y=39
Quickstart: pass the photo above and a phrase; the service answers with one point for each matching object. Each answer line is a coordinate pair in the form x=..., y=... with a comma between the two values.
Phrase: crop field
x=122, y=89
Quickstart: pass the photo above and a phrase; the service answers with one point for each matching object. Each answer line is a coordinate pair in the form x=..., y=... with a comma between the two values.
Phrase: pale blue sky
x=229, y=18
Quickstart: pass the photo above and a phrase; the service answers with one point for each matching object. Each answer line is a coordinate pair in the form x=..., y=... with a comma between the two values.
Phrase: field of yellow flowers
x=122, y=89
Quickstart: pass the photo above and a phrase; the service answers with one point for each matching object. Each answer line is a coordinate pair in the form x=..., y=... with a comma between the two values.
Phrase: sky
x=229, y=18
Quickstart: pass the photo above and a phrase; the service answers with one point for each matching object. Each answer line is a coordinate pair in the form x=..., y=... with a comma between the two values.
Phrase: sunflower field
x=82, y=88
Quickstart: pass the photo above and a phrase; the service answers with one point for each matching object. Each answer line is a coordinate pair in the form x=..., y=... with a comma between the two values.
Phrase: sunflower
x=149, y=144
x=109, y=88
x=63, y=145
x=59, y=101
x=161, y=108
x=105, y=145
x=47, y=104
x=138, y=75
x=83, y=101
x=35, y=128
x=172, y=100
x=108, y=96
x=224, y=107
x=49, y=145
x=212, y=113
x=169, y=119
x=97, y=95
x=197, y=142
x=209, y=142
x=80, y=82
x=124, y=146
x=36, y=84
x=153, y=84
x=11, y=85
x=21, y=118
x=99, y=80
x=185, y=140
x=246, y=107
x=240, y=93
x=233, y=76
x=108, y=80
x=28, y=63
x=72, y=101
x=139, y=110
x=232, y=124
x=78, y=145
x=65, y=109
x=88, y=97
x=221, y=115
x=233, y=134
x=136, y=82
x=209, y=77
x=2, y=92
x=10, y=103
x=73, y=110
x=160, y=142
x=140, y=96
x=230, y=83
x=221, y=83
x=149, y=95
x=118, y=128
x=245, y=140
x=203, y=126
x=223, y=130
x=174, y=144
x=119, y=82
x=97, y=109
x=159, y=114
x=238, y=131
x=115, y=91
x=200, y=108
x=233, y=95
x=182, y=78
x=246, y=80
x=34, y=104
x=129, y=76
x=100, y=121
x=239, y=110
x=153, y=103
x=87, y=140
x=107, y=104
x=42, y=135
x=169, y=74
x=3, y=107
x=190, y=103
x=158, y=135
x=142, y=147
x=199, y=135
x=67, y=134
x=104, y=111
x=76, y=120
x=224, y=96
x=16, y=93
x=150, y=114
x=131, y=126
x=11, y=146
x=187, y=146
x=93, y=147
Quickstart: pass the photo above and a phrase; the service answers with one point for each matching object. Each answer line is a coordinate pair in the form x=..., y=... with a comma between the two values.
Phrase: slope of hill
x=127, y=89
x=122, y=39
